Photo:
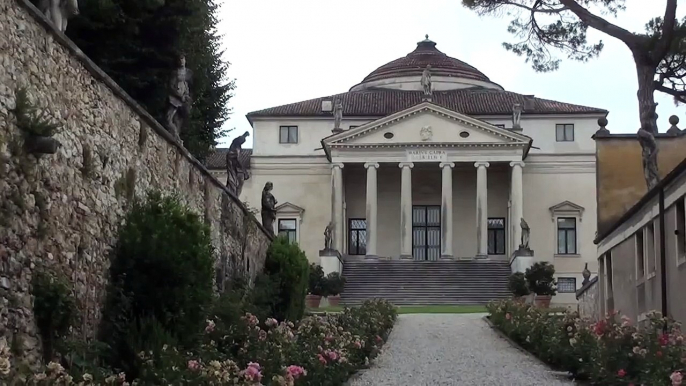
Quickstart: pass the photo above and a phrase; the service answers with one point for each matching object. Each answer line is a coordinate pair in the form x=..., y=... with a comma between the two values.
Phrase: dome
x=452, y=71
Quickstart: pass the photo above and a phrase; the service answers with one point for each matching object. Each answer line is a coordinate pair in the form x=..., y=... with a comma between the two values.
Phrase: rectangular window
x=650, y=247
x=566, y=236
x=496, y=236
x=640, y=261
x=564, y=132
x=288, y=134
x=357, y=237
x=566, y=285
x=288, y=228
x=680, y=230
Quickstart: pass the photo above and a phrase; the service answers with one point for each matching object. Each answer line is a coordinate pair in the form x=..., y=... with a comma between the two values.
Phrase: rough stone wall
x=589, y=300
x=63, y=210
x=620, y=180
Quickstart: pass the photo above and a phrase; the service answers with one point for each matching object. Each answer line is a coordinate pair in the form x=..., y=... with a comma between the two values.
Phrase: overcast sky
x=288, y=51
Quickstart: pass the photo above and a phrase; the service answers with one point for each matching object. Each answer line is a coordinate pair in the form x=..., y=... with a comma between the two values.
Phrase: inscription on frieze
x=426, y=155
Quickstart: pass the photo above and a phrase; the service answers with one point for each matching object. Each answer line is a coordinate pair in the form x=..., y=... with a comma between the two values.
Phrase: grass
x=428, y=309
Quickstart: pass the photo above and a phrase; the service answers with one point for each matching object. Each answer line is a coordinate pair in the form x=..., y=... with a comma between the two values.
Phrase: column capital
x=406, y=165
x=337, y=165
x=517, y=163
x=374, y=165
x=479, y=164
x=444, y=164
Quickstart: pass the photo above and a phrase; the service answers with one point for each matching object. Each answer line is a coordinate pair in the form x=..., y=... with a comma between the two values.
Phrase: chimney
x=327, y=106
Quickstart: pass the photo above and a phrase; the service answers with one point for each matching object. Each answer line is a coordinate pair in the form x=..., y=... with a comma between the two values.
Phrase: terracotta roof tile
x=217, y=159
x=471, y=101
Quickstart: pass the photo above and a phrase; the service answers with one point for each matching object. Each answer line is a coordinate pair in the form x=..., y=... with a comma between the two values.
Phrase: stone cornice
x=428, y=145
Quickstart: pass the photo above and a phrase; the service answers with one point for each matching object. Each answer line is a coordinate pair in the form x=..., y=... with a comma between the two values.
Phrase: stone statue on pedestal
x=236, y=169
x=328, y=236
x=59, y=11
x=179, y=100
x=586, y=274
x=337, y=116
x=268, y=208
x=516, y=116
x=426, y=82
x=526, y=231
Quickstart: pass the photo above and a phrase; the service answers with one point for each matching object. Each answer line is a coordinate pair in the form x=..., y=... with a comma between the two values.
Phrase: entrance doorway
x=426, y=232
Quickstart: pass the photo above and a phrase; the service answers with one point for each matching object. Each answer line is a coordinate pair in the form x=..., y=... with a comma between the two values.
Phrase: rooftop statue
x=426, y=82
x=236, y=169
x=59, y=11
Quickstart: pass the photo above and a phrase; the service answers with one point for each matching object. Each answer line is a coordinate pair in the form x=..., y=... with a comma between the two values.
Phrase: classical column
x=481, y=210
x=371, y=209
x=447, y=210
x=337, y=215
x=517, y=202
x=406, y=210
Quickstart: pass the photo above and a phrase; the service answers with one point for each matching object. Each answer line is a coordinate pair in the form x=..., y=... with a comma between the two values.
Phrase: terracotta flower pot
x=334, y=300
x=543, y=301
x=312, y=301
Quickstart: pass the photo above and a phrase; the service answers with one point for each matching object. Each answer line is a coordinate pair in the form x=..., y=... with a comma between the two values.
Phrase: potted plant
x=316, y=288
x=518, y=285
x=541, y=280
x=334, y=286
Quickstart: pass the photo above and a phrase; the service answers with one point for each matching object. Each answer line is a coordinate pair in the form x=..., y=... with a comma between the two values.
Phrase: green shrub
x=541, y=278
x=286, y=265
x=54, y=308
x=518, y=285
x=334, y=284
x=162, y=270
x=316, y=284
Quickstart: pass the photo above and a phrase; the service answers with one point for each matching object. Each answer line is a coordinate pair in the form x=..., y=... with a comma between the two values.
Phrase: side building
x=438, y=173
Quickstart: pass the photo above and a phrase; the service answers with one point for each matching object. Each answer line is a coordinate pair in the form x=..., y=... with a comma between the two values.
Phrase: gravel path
x=452, y=349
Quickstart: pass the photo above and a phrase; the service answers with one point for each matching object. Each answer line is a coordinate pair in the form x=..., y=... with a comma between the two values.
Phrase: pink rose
x=321, y=359
x=210, y=326
x=621, y=373
x=295, y=371
x=676, y=378
x=664, y=340
x=252, y=372
x=193, y=365
x=271, y=322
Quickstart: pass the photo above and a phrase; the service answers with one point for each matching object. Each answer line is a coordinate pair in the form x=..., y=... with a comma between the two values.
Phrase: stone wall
x=620, y=180
x=63, y=210
x=589, y=299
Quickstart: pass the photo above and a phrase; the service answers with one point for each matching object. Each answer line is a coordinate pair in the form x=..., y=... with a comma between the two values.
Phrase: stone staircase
x=467, y=282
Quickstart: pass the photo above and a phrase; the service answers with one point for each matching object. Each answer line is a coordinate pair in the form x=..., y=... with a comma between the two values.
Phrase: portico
x=425, y=176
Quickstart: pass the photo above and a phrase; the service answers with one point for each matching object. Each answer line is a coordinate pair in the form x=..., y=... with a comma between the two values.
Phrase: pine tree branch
x=678, y=95
x=668, y=25
x=602, y=25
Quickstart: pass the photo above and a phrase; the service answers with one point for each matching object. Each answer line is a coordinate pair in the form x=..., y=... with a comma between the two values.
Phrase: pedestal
x=522, y=259
x=330, y=261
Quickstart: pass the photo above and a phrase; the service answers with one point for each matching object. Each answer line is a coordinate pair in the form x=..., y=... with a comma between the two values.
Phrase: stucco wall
x=63, y=210
x=589, y=300
x=621, y=182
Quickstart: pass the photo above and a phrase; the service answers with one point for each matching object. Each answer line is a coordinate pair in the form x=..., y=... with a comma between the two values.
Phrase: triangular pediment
x=566, y=207
x=429, y=125
x=288, y=207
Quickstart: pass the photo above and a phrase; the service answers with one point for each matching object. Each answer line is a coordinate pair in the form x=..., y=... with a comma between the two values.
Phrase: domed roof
x=426, y=54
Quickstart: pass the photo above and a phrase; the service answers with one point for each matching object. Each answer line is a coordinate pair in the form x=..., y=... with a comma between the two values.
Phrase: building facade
x=444, y=172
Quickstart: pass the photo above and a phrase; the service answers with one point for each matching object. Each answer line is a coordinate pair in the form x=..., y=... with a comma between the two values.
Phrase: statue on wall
x=328, y=236
x=337, y=116
x=586, y=273
x=236, y=169
x=526, y=231
x=179, y=100
x=426, y=82
x=650, y=150
x=516, y=116
x=268, y=208
x=59, y=11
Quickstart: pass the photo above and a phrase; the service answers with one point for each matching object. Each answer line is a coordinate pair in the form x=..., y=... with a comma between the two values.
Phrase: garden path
x=453, y=349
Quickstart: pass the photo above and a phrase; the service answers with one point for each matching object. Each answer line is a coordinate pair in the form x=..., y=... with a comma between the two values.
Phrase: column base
x=481, y=256
x=371, y=257
x=447, y=257
x=406, y=257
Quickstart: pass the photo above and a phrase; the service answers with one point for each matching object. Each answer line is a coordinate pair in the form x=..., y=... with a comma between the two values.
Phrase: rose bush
x=612, y=351
x=318, y=350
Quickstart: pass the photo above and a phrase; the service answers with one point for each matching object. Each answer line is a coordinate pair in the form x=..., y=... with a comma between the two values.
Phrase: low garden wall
x=63, y=210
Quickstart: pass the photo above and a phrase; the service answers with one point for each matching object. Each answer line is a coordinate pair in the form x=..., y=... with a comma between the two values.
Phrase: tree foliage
x=659, y=52
x=137, y=43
